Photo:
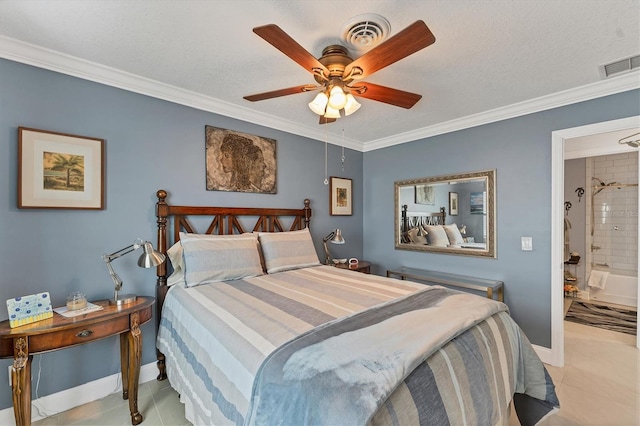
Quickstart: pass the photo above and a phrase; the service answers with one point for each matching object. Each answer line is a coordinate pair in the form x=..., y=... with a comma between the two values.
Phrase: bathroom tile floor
x=599, y=385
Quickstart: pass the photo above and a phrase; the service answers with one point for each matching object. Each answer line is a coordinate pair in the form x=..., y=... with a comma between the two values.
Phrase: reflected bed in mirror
x=453, y=214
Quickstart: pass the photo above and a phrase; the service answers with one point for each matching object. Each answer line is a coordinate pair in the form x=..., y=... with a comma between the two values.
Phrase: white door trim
x=558, y=139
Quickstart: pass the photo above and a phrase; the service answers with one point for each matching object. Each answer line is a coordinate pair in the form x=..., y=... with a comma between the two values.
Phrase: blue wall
x=150, y=144
x=153, y=144
x=520, y=151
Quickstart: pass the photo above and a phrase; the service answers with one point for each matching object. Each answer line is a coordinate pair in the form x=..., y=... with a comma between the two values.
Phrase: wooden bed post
x=307, y=212
x=162, y=211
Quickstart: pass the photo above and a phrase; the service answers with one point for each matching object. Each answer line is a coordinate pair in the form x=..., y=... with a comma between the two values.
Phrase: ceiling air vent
x=365, y=31
x=624, y=65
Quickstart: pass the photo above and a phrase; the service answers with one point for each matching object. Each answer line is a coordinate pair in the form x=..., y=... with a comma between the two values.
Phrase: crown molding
x=30, y=54
x=40, y=57
x=611, y=86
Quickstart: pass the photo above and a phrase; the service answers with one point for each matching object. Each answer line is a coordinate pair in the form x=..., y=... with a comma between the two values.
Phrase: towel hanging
x=598, y=279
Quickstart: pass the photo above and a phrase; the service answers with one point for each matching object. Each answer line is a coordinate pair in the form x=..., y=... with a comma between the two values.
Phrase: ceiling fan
x=339, y=77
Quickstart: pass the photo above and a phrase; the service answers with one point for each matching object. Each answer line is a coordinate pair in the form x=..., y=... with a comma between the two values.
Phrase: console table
x=450, y=279
x=59, y=332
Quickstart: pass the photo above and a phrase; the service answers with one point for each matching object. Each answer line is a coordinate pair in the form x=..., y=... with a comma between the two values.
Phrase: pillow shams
x=437, y=236
x=453, y=233
x=175, y=257
x=212, y=258
x=415, y=238
x=283, y=251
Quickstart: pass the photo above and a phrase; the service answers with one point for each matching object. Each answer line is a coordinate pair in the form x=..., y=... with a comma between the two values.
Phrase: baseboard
x=79, y=395
x=545, y=354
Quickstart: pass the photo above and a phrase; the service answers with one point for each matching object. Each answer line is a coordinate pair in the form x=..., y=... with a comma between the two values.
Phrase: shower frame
x=596, y=189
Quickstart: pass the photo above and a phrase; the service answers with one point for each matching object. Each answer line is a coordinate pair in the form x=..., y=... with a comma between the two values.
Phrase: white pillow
x=212, y=258
x=288, y=250
x=437, y=236
x=453, y=233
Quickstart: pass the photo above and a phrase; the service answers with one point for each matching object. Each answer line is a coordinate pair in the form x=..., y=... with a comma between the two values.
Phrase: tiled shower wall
x=615, y=213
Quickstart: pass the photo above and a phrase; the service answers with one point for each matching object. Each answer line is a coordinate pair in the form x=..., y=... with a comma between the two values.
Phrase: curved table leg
x=21, y=382
x=131, y=355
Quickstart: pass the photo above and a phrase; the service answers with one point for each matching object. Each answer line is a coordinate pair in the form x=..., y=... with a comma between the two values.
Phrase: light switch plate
x=527, y=243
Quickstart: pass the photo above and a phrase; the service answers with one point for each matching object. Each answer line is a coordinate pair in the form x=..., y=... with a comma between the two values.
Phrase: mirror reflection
x=451, y=214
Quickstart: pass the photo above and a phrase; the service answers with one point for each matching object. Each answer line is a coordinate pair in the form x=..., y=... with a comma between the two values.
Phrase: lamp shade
x=337, y=237
x=337, y=98
x=332, y=113
x=150, y=257
x=319, y=103
x=352, y=105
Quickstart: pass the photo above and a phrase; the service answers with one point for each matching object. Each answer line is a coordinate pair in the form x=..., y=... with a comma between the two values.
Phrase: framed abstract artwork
x=239, y=162
x=340, y=196
x=59, y=170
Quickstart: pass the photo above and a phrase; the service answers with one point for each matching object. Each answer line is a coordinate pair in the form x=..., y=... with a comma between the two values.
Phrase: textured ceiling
x=488, y=55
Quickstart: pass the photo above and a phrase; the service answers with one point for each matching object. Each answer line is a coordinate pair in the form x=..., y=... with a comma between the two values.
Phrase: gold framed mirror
x=451, y=214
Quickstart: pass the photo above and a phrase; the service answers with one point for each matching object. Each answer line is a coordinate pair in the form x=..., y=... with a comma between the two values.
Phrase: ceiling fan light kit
x=339, y=77
x=329, y=106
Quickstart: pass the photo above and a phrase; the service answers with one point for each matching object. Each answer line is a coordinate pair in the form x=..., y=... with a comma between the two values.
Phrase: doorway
x=566, y=144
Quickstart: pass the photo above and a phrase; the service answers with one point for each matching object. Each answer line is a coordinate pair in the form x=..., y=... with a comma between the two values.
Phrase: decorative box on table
x=27, y=309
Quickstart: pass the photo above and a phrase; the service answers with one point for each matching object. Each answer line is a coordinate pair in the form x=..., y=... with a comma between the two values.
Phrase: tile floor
x=599, y=385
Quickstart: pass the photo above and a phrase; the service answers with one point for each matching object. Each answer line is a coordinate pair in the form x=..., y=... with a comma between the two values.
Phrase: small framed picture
x=340, y=197
x=477, y=203
x=453, y=204
x=59, y=171
x=425, y=194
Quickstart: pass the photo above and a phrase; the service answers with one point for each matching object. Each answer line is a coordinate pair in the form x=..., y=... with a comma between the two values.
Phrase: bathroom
x=601, y=227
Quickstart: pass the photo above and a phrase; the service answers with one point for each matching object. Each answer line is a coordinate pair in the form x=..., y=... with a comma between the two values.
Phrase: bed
x=430, y=228
x=254, y=330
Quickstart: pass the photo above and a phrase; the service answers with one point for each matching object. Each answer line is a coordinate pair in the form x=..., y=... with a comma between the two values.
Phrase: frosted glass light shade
x=319, y=103
x=352, y=105
x=337, y=98
x=332, y=113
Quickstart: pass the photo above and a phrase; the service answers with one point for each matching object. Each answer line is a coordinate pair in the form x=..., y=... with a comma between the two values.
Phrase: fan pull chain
x=343, y=150
x=326, y=150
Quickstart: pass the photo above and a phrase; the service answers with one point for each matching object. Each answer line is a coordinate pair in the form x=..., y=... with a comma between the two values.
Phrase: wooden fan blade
x=387, y=95
x=415, y=37
x=282, y=92
x=274, y=35
x=325, y=120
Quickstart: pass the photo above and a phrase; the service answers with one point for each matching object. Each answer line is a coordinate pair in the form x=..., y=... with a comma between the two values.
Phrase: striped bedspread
x=215, y=338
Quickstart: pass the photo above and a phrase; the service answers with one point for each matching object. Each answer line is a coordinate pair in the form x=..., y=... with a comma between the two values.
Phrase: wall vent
x=623, y=65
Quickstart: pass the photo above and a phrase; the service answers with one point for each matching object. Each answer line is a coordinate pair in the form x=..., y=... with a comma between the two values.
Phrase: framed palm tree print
x=59, y=170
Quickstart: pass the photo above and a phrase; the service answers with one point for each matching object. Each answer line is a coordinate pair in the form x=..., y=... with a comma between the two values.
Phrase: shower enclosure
x=612, y=229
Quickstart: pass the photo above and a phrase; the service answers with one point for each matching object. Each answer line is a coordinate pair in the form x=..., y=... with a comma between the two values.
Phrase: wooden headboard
x=224, y=221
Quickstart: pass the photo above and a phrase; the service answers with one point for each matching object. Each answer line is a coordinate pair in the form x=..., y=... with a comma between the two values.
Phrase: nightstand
x=60, y=332
x=362, y=266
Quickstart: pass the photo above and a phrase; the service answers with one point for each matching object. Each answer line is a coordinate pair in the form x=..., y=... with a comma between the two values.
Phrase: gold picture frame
x=59, y=170
x=340, y=196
